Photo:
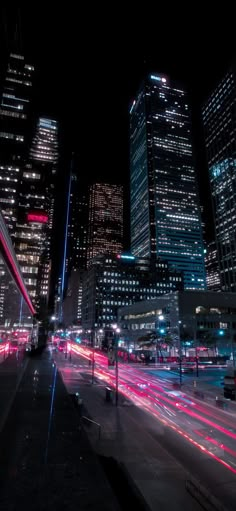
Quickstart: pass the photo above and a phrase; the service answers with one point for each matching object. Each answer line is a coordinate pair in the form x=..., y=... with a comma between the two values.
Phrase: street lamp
x=116, y=331
x=100, y=331
x=180, y=354
x=161, y=331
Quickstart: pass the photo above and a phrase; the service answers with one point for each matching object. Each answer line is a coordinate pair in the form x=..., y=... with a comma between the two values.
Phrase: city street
x=200, y=437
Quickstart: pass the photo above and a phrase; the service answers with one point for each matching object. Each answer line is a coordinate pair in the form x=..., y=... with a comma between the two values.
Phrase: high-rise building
x=77, y=226
x=165, y=213
x=220, y=136
x=112, y=281
x=16, y=94
x=72, y=301
x=105, y=229
x=212, y=267
x=36, y=211
x=76, y=250
x=72, y=233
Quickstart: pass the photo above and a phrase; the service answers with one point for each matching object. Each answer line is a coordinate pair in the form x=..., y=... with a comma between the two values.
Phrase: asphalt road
x=199, y=436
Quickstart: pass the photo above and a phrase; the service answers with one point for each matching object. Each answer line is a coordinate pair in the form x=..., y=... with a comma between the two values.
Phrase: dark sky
x=90, y=64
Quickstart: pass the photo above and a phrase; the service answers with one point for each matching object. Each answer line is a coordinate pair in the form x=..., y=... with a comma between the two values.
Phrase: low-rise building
x=203, y=319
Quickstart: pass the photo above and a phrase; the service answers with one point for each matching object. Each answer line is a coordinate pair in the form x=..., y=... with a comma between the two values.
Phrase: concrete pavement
x=46, y=459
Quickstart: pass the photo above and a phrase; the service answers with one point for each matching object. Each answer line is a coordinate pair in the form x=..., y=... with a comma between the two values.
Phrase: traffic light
x=162, y=331
x=221, y=332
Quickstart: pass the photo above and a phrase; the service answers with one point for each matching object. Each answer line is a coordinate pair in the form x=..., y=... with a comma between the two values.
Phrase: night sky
x=90, y=64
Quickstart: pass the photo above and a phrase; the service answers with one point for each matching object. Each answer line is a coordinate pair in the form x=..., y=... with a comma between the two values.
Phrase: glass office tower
x=36, y=211
x=16, y=95
x=220, y=137
x=165, y=212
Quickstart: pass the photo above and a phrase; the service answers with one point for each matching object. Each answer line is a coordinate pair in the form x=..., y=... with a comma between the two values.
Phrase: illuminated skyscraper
x=105, y=230
x=220, y=135
x=165, y=213
x=36, y=211
x=14, y=132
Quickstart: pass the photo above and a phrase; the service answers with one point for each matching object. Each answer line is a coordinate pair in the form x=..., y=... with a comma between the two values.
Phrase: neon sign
x=39, y=218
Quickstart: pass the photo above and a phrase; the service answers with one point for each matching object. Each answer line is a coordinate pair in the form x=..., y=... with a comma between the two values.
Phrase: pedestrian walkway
x=47, y=462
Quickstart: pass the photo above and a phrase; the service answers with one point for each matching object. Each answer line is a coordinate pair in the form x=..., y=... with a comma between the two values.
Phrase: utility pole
x=180, y=355
x=93, y=358
x=195, y=343
x=116, y=332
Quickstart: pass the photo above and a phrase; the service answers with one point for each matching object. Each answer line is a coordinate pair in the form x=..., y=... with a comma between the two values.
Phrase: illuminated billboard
x=39, y=218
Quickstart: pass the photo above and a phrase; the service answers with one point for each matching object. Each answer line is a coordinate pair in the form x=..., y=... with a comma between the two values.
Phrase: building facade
x=114, y=281
x=212, y=267
x=36, y=211
x=203, y=319
x=105, y=228
x=15, y=124
x=76, y=250
x=220, y=137
x=165, y=212
x=16, y=308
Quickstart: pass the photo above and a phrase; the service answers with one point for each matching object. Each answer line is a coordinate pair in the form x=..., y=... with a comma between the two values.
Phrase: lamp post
x=116, y=331
x=232, y=341
x=99, y=338
x=161, y=330
x=180, y=355
x=195, y=344
x=93, y=354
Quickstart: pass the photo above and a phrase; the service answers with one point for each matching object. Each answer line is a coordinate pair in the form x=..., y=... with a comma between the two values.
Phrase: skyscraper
x=165, y=213
x=220, y=136
x=76, y=250
x=16, y=96
x=105, y=230
x=77, y=226
x=36, y=211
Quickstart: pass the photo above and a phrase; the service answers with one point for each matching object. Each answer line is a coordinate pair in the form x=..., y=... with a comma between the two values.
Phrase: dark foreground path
x=46, y=461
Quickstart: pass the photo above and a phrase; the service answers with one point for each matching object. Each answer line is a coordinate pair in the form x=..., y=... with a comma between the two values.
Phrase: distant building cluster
x=167, y=251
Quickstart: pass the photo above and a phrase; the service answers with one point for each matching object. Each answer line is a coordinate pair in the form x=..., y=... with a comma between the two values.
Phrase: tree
x=209, y=340
x=152, y=341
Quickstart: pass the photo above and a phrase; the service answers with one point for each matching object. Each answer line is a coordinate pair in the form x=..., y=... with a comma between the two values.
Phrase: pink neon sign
x=39, y=218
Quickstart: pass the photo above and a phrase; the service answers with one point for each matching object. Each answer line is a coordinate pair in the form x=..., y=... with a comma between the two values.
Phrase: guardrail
x=93, y=422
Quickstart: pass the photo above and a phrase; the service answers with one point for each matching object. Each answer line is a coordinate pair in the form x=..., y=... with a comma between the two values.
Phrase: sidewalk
x=126, y=438
x=47, y=462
